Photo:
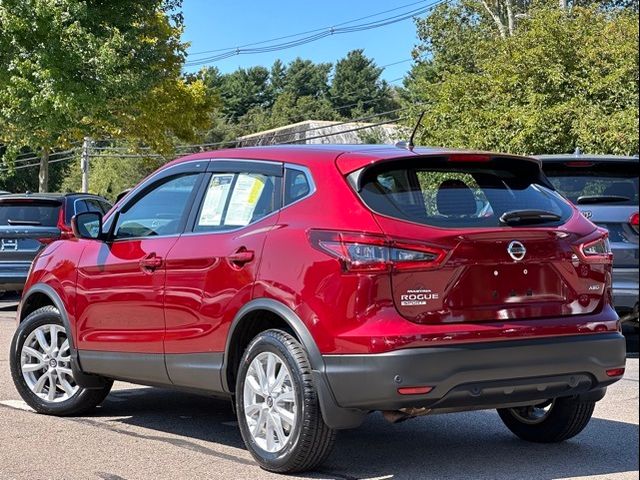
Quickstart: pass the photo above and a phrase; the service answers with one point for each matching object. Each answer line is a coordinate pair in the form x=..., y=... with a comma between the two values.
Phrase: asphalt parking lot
x=145, y=433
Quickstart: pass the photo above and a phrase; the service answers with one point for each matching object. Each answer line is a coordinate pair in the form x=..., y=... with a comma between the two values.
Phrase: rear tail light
x=359, y=252
x=633, y=221
x=615, y=372
x=65, y=231
x=596, y=251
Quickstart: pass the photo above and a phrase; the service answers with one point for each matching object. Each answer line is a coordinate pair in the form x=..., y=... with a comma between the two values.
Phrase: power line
x=346, y=122
x=37, y=157
x=316, y=36
x=347, y=131
x=20, y=167
x=307, y=32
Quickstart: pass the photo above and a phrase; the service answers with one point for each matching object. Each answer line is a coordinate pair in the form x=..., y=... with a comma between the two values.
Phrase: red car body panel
x=205, y=288
x=188, y=303
x=120, y=303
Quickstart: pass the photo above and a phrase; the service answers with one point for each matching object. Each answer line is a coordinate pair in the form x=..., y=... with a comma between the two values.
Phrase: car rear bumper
x=473, y=376
x=13, y=275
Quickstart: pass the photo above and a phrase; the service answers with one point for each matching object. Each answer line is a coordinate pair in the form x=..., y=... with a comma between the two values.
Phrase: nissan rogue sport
x=312, y=285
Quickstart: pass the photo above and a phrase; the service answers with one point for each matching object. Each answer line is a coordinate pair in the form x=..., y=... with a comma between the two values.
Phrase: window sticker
x=215, y=199
x=244, y=199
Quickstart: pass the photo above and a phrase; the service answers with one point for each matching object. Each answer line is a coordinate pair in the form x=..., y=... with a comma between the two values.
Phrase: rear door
x=212, y=268
x=498, y=243
x=26, y=225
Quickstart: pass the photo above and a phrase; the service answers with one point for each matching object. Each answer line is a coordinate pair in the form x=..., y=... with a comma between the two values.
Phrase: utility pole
x=84, y=164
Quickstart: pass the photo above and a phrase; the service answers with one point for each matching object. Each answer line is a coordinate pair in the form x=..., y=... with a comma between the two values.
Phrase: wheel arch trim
x=57, y=302
x=333, y=415
x=288, y=316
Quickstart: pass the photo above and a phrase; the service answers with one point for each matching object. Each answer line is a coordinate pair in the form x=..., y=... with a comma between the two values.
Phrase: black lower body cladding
x=483, y=375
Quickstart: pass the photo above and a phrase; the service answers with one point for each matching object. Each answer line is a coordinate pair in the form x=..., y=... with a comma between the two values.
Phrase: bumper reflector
x=615, y=372
x=414, y=390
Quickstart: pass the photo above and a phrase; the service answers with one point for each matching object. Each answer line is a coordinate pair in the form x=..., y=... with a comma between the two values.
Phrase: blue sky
x=220, y=24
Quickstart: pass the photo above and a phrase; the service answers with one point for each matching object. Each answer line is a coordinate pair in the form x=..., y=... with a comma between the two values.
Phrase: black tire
x=311, y=440
x=80, y=402
x=567, y=417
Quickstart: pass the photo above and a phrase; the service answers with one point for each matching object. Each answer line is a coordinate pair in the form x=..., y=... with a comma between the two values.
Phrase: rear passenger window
x=234, y=200
x=296, y=186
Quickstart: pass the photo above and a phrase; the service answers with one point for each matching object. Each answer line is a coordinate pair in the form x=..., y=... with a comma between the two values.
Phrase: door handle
x=151, y=262
x=241, y=256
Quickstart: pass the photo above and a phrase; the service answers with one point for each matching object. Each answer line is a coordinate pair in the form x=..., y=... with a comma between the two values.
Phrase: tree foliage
x=258, y=98
x=72, y=68
x=564, y=79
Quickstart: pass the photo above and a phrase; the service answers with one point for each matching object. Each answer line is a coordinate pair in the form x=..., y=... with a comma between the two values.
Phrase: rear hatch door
x=606, y=192
x=26, y=225
x=511, y=247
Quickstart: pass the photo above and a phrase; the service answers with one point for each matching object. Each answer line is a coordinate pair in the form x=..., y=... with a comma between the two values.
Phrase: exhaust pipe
x=397, y=416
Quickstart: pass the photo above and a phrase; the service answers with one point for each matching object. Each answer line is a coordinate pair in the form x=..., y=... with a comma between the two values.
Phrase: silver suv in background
x=605, y=189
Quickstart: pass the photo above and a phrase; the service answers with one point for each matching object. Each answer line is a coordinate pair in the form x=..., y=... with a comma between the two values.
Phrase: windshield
x=583, y=186
x=461, y=195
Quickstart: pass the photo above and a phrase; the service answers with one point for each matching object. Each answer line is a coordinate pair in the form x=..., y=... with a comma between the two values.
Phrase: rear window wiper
x=593, y=199
x=528, y=217
x=23, y=222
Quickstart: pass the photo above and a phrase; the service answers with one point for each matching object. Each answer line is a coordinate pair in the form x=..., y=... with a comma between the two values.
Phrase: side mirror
x=87, y=225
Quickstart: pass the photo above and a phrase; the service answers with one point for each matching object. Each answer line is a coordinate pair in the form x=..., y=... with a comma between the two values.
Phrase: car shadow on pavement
x=464, y=445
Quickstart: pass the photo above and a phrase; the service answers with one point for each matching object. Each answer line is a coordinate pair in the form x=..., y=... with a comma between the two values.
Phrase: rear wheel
x=277, y=406
x=549, y=422
x=41, y=367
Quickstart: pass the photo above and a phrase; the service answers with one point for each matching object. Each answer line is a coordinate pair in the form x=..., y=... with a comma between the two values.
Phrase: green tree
x=357, y=86
x=110, y=175
x=72, y=68
x=303, y=78
x=244, y=89
x=564, y=79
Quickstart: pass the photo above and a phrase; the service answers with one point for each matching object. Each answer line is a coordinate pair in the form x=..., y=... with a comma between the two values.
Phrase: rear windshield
x=459, y=195
x=43, y=214
x=615, y=184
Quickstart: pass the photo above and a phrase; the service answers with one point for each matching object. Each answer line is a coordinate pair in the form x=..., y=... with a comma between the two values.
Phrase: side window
x=106, y=206
x=160, y=211
x=296, y=186
x=93, y=205
x=234, y=200
x=80, y=206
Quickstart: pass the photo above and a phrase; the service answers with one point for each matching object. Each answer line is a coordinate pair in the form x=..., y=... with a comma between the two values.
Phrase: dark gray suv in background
x=29, y=221
x=605, y=189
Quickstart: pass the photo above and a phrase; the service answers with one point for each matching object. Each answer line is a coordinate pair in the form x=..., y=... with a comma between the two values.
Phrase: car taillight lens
x=596, y=251
x=65, y=231
x=359, y=252
x=633, y=221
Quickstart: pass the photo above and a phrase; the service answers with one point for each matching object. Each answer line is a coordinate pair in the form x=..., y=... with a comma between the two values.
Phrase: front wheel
x=549, y=422
x=277, y=406
x=41, y=367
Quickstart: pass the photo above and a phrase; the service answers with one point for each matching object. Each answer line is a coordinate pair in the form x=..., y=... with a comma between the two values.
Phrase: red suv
x=312, y=285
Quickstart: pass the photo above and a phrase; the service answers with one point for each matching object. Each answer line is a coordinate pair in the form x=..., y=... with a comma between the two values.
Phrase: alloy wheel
x=269, y=402
x=45, y=362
